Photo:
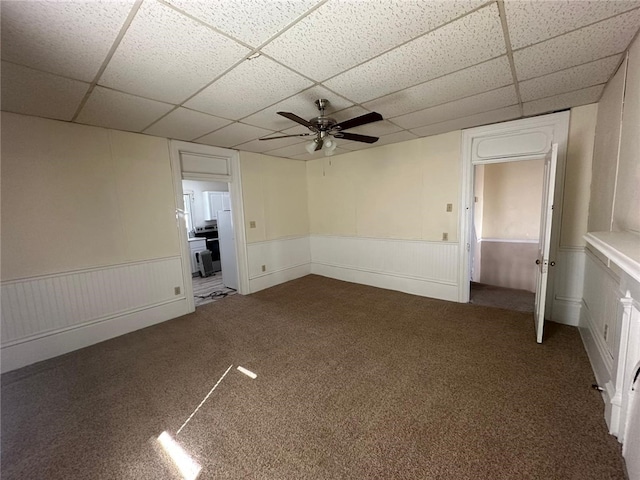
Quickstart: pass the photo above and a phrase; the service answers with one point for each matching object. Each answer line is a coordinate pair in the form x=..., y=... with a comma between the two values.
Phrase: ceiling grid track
x=112, y=50
x=507, y=41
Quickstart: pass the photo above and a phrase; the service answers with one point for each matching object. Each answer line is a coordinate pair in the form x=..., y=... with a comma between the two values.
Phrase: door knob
x=553, y=264
x=538, y=261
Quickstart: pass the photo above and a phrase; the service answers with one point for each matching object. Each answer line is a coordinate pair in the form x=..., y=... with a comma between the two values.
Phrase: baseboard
x=566, y=311
x=271, y=279
x=406, y=284
x=56, y=343
x=601, y=368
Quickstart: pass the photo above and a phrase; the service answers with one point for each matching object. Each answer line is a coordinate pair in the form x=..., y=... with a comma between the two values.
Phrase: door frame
x=234, y=179
x=555, y=128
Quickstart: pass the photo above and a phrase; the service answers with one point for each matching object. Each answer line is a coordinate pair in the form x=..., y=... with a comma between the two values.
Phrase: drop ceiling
x=216, y=72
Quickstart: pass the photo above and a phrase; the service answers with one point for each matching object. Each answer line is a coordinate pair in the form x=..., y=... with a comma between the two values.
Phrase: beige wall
x=575, y=209
x=394, y=191
x=75, y=196
x=512, y=200
x=605, y=154
x=274, y=193
x=626, y=214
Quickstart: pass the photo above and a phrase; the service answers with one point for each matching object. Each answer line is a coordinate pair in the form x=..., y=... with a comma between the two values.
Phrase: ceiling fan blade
x=357, y=121
x=287, y=136
x=297, y=119
x=356, y=137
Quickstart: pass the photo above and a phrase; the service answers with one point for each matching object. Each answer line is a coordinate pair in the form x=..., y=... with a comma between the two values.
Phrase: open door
x=544, y=241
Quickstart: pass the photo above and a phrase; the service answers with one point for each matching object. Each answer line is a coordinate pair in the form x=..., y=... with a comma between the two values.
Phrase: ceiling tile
x=345, y=33
x=67, y=38
x=470, y=81
x=566, y=100
x=484, y=118
x=318, y=154
x=301, y=104
x=575, y=78
x=289, y=151
x=32, y=92
x=402, y=136
x=465, y=107
x=169, y=66
x=581, y=46
x=261, y=146
x=554, y=18
x=185, y=124
x=251, y=21
x=234, y=134
x=111, y=109
x=460, y=44
x=248, y=88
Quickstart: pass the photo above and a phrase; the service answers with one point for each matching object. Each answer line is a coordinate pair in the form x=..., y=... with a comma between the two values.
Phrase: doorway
x=209, y=204
x=205, y=205
x=533, y=138
x=505, y=234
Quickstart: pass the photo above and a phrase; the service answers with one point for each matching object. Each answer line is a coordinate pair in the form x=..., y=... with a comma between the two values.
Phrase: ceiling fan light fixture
x=329, y=147
x=311, y=146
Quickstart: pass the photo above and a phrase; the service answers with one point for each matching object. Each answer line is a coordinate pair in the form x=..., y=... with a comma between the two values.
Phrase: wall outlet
x=264, y=268
x=252, y=224
x=176, y=290
x=445, y=236
x=449, y=207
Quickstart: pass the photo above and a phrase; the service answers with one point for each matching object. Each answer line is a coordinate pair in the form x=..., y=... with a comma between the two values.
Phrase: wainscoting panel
x=600, y=310
x=417, y=267
x=284, y=259
x=44, y=307
x=568, y=285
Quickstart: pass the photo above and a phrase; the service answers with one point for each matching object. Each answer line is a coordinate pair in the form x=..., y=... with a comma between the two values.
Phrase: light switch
x=449, y=207
x=252, y=224
x=445, y=236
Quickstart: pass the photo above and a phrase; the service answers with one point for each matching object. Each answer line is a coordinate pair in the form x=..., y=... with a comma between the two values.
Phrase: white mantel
x=618, y=263
x=621, y=248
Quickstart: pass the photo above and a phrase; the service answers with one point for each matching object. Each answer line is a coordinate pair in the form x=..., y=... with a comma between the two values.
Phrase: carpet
x=352, y=382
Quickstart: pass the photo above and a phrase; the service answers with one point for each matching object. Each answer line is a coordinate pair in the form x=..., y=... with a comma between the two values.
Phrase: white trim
x=237, y=208
x=106, y=318
x=386, y=274
x=276, y=240
x=509, y=240
x=559, y=122
x=386, y=239
x=86, y=270
x=415, y=286
x=622, y=248
x=278, y=270
x=571, y=249
x=276, y=277
x=67, y=340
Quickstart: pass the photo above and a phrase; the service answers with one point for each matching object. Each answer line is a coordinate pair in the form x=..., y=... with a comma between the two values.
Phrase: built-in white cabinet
x=214, y=202
x=196, y=245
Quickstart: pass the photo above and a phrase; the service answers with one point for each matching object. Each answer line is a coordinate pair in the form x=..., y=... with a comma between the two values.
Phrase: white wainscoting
x=49, y=315
x=568, y=285
x=412, y=266
x=600, y=308
x=284, y=259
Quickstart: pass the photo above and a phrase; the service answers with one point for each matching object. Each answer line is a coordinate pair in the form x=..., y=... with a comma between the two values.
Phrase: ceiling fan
x=324, y=128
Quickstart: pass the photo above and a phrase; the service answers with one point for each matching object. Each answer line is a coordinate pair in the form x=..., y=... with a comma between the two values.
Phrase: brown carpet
x=501, y=297
x=353, y=382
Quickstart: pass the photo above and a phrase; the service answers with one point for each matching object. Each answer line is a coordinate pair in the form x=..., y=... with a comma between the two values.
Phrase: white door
x=544, y=242
x=228, y=259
